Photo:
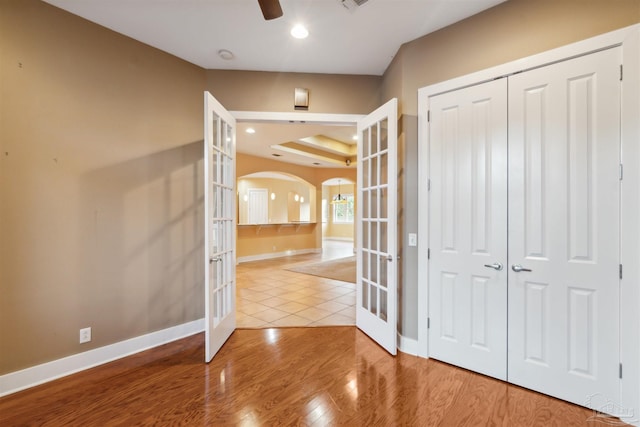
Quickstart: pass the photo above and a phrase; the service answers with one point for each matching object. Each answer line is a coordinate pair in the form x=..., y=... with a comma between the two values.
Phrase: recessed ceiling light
x=225, y=54
x=316, y=163
x=250, y=130
x=299, y=31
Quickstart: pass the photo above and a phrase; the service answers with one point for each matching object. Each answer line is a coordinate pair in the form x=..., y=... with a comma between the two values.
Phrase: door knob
x=495, y=266
x=518, y=268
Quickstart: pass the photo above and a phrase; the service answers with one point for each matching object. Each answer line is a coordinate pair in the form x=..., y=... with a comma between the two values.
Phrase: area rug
x=343, y=269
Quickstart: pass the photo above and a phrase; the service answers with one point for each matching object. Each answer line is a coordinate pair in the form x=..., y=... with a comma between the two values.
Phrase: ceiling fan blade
x=270, y=9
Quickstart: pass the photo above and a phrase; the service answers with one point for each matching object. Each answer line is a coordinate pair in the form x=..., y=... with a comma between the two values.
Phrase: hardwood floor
x=290, y=376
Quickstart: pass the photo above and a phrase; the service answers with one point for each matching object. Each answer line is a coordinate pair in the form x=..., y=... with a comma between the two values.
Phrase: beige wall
x=339, y=230
x=252, y=241
x=511, y=30
x=266, y=91
x=278, y=209
x=100, y=186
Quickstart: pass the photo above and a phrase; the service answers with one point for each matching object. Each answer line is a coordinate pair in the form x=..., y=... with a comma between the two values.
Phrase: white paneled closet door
x=564, y=165
x=468, y=228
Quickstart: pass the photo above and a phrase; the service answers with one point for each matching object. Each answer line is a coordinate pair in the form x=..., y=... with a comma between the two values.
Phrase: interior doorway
x=339, y=206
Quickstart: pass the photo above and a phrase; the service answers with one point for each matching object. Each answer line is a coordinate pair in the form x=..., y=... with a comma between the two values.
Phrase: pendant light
x=339, y=199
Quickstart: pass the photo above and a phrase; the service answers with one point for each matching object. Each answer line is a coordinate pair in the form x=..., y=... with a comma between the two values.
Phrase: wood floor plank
x=288, y=376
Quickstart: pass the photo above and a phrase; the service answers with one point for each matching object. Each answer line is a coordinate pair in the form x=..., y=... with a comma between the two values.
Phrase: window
x=343, y=212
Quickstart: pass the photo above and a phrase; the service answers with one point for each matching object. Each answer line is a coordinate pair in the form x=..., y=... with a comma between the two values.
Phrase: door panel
x=376, y=291
x=564, y=155
x=468, y=228
x=220, y=205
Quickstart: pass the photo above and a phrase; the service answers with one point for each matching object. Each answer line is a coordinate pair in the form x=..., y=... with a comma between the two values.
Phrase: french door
x=220, y=219
x=543, y=314
x=377, y=262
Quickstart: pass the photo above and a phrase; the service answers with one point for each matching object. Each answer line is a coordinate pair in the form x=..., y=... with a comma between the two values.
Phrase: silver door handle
x=388, y=257
x=216, y=259
x=495, y=266
x=518, y=268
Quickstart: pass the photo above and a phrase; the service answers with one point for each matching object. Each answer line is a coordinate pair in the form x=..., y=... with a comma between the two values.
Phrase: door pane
x=383, y=202
x=365, y=295
x=384, y=125
x=374, y=139
x=365, y=173
x=373, y=204
x=373, y=299
x=365, y=144
x=365, y=204
x=384, y=160
x=365, y=264
x=383, y=271
x=383, y=237
x=373, y=242
x=374, y=171
x=365, y=234
x=383, y=304
x=374, y=267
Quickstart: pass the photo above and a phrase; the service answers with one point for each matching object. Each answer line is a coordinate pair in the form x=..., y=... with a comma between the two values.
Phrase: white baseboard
x=40, y=374
x=261, y=257
x=408, y=345
x=339, y=239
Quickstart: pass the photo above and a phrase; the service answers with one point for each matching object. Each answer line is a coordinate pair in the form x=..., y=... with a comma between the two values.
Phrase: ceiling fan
x=270, y=9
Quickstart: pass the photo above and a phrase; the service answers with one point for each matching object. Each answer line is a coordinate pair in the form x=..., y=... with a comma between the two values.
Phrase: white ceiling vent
x=352, y=4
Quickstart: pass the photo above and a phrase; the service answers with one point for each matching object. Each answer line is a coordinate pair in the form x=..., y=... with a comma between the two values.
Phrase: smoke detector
x=352, y=4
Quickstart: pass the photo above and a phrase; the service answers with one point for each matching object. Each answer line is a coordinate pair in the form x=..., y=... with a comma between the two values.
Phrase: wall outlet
x=85, y=335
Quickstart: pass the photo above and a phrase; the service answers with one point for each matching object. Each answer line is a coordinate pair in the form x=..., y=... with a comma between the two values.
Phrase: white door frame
x=629, y=39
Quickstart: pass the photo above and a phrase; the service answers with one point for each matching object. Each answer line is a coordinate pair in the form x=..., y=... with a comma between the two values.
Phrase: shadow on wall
x=142, y=226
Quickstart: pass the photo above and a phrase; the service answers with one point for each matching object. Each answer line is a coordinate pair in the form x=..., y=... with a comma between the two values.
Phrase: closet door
x=564, y=139
x=468, y=228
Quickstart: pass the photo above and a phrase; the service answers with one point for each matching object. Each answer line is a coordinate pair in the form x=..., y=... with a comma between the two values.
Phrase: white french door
x=377, y=264
x=564, y=233
x=543, y=314
x=220, y=219
x=468, y=228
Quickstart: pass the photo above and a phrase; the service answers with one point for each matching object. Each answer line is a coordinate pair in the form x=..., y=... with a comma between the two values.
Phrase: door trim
x=629, y=39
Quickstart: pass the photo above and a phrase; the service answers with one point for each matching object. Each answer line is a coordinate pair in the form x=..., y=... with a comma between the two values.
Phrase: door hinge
x=621, y=271
x=621, y=172
x=621, y=72
x=428, y=185
x=620, y=371
x=428, y=115
x=429, y=253
x=428, y=323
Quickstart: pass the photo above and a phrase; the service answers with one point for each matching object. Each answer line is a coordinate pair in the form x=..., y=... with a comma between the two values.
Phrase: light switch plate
x=413, y=239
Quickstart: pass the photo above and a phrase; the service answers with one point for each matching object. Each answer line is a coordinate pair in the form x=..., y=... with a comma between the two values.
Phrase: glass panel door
x=376, y=310
x=220, y=217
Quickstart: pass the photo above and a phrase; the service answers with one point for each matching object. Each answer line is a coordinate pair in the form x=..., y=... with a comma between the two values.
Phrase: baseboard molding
x=40, y=374
x=339, y=239
x=408, y=345
x=261, y=257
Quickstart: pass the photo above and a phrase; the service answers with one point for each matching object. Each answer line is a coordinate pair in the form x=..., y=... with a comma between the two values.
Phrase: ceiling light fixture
x=339, y=199
x=299, y=31
x=225, y=54
x=250, y=130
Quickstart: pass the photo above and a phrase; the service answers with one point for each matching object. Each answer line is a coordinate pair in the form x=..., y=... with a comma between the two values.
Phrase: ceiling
x=356, y=40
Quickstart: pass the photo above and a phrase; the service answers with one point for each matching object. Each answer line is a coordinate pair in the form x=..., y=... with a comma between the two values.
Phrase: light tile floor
x=268, y=295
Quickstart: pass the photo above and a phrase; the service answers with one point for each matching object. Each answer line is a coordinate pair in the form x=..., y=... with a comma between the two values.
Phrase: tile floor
x=268, y=295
